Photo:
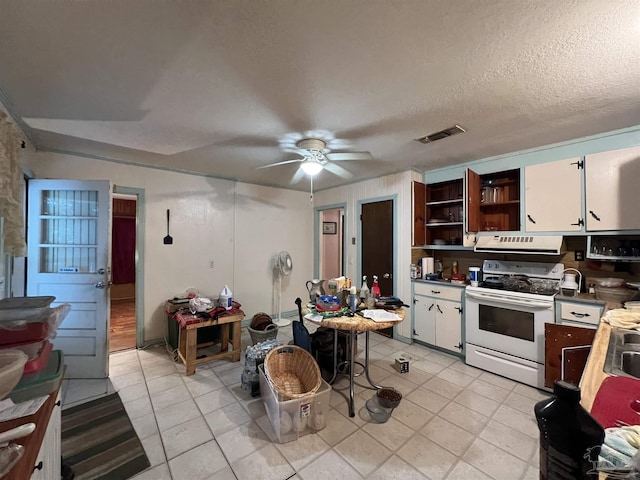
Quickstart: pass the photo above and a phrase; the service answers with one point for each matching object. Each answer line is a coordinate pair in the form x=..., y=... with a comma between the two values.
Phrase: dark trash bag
x=301, y=337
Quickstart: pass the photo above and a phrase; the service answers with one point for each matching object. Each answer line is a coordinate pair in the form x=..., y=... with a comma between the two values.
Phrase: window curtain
x=11, y=188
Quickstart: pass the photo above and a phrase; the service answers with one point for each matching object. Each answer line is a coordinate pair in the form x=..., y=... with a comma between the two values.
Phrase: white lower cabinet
x=48, y=462
x=438, y=316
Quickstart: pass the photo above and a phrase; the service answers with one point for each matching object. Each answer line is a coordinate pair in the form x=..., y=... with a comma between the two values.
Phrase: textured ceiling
x=215, y=86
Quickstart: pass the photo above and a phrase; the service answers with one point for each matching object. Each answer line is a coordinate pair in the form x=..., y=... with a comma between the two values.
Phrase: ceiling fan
x=316, y=157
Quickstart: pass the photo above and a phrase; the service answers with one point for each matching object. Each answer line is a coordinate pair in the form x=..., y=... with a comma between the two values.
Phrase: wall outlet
x=578, y=255
x=211, y=264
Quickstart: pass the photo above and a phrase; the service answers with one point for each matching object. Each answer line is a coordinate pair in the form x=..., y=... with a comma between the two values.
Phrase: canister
x=475, y=276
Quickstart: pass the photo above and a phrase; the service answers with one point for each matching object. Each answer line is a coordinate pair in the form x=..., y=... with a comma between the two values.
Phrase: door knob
x=386, y=275
x=100, y=285
x=101, y=271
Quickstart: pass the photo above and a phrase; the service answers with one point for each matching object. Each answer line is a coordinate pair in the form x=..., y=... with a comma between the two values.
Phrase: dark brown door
x=377, y=244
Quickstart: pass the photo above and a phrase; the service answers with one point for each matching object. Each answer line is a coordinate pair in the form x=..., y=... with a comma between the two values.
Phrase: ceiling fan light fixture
x=311, y=167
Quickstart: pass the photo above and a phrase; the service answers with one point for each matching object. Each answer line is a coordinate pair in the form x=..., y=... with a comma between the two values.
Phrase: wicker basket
x=292, y=372
x=268, y=333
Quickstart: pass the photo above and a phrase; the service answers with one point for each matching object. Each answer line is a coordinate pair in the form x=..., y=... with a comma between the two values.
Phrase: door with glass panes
x=68, y=257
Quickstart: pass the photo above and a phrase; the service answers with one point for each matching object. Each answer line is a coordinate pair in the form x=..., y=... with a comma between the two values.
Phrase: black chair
x=301, y=336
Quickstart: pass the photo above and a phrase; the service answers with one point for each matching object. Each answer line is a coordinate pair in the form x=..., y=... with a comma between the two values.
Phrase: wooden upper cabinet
x=612, y=180
x=419, y=212
x=493, y=201
x=553, y=196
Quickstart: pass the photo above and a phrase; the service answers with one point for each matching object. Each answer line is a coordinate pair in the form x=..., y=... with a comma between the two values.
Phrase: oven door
x=508, y=324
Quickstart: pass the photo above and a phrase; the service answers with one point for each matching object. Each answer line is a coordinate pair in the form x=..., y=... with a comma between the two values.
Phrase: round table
x=353, y=325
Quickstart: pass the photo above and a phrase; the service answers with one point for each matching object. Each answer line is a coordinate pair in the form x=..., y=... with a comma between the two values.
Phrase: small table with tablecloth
x=353, y=325
x=230, y=321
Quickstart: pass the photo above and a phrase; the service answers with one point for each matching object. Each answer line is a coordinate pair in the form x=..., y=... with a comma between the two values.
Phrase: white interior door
x=68, y=257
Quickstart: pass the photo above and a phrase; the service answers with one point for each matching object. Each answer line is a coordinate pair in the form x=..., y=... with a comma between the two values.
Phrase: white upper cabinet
x=613, y=189
x=553, y=196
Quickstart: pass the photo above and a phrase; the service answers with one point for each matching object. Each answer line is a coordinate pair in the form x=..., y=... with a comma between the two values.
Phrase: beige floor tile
x=363, y=452
x=508, y=439
x=460, y=366
x=154, y=449
x=455, y=377
x=428, y=457
x=442, y=358
x=303, y=451
x=242, y=441
x=133, y=392
x=396, y=468
x=265, y=464
x=227, y=418
x=531, y=392
x=477, y=403
x=159, y=472
x=520, y=402
x=444, y=387
x=448, y=435
x=145, y=425
x=426, y=366
x=493, y=461
x=393, y=434
x=338, y=428
x=185, y=436
x=164, y=382
x=411, y=414
x=328, y=466
x=199, y=383
x=522, y=422
x=176, y=414
x=489, y=390
x=464, y=417
x=198, y=463
x=498, y=381
x=213, y=400
x=427, y=399
x=139, y=407
x=532, y=474
x=464, y=471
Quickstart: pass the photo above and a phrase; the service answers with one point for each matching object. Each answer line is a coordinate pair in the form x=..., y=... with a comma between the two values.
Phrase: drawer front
x=580, y=313
x=438, y=291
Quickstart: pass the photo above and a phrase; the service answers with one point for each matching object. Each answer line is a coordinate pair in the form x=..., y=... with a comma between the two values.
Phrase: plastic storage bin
x=292, y=419
x=32, y=349
x=35, y=328
x=42, y=383
x=23, y=308
x=41, y=359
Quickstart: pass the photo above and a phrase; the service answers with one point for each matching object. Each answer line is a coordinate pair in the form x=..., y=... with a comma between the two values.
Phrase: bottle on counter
x=364, y=290
x=375, y=288
x=570, y=438
x=454, y=267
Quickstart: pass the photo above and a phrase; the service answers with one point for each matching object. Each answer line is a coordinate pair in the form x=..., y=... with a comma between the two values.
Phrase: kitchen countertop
x=441, y=281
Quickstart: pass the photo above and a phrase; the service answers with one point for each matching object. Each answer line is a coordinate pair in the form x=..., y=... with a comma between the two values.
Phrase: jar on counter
x=454, y=267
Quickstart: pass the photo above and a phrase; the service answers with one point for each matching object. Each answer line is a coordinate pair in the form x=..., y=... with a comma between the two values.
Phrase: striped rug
x=99, y=442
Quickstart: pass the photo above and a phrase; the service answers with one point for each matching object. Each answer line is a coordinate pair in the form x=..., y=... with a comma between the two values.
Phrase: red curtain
x=123, y=250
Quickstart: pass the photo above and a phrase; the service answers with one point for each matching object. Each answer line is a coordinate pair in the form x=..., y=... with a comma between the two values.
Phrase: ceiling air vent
x=447, y=132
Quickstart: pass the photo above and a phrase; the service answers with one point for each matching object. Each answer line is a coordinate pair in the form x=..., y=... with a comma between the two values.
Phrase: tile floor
x=454, y=422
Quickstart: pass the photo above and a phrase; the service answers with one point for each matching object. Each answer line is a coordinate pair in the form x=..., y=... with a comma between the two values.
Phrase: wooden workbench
x=188, y=342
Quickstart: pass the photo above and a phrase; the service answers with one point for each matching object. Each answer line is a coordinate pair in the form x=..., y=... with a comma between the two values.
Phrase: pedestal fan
x=283, y=266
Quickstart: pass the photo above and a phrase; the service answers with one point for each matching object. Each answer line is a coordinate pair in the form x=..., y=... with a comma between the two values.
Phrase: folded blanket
x=620, y=317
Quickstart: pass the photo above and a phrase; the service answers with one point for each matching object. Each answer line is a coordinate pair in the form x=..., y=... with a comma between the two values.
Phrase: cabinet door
x=612, y=190
x=424, y=320
x=557, y=338
x=553, y=197
x=419, y=211
x=449, y=325
x=472, y=184
x=48, y=463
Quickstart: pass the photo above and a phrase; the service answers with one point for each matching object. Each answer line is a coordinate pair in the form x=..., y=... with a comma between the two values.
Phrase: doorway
x=122, y=321
x=331, y=248
x=377, y=246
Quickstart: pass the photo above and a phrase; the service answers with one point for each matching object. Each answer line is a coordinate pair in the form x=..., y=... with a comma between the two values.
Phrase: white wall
x=368, y=191
x=238, y=226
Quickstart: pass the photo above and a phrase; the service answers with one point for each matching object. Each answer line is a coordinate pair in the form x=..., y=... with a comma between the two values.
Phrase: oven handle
x=511, y=301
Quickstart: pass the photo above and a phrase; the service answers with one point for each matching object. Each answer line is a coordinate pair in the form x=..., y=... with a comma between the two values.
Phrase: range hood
x=516, y=243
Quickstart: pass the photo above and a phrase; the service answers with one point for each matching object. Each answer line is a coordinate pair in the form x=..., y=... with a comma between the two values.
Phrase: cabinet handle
x=580, y=222
x=415, y=300
x=579, y=163
x=431, y=306
x=414, y=333
x=530, y=219
x=435, y=292
x=438, y=307
x=38, y=466
x=594, y=215
x=458, y=346
x=459, y=310
x=580, y=315
x=58, y=403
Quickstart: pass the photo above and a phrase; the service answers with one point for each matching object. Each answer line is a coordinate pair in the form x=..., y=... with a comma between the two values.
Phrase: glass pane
x=68, y=223
x=503, y=321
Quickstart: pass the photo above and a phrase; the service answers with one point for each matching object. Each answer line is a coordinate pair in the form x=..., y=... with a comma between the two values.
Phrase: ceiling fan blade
x=338, y=170
x=337, y=156
x=299, y=175
x=280, y=163
x=297, y=151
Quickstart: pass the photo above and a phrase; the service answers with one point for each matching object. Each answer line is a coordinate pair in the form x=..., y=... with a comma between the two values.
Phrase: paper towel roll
x=427, y=266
